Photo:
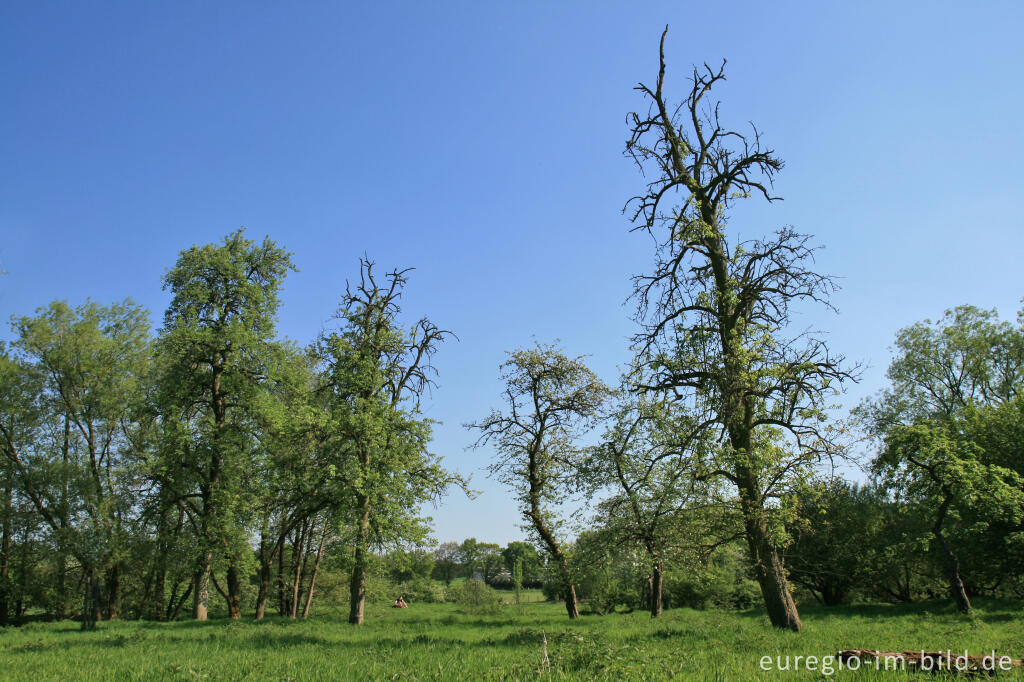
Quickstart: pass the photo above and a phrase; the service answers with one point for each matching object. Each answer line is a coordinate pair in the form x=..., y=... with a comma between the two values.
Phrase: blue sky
x=482, y=144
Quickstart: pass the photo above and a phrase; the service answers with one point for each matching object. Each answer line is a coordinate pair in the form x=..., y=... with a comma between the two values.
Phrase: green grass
x=438, y=641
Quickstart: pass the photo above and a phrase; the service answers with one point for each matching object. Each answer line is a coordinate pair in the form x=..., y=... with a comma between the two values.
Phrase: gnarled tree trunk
x=768, y=568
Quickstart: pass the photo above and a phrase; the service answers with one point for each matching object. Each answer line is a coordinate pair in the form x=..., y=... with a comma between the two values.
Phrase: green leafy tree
x=716, y=311
x=945, y=377
x=994, y=541
x=529, y=560
x=20, y=418
x=80, y=466
x=374, y=373
x=655, y=499
x=446, y=562
x=480, y=556
x=517, y=578
x=550, y=400
x=470, y=554
x=288, y=479
x=217, y=344
x=835, y=539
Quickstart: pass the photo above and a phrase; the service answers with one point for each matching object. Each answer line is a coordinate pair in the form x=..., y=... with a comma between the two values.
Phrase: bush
x=474, y=596
x=423, y=590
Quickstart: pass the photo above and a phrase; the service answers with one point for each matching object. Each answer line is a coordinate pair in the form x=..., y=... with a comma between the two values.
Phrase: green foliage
x=474, y=596
x=526, y=556
x=75, y=447
x=837, y=539
x=947, y=429
x=215, y=354
x=373, y=373
x=551, y=399
x=722, y=580
x=422, y=590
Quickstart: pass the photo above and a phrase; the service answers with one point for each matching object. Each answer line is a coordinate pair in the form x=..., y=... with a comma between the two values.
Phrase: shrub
x=474, y=596
x=423, y=590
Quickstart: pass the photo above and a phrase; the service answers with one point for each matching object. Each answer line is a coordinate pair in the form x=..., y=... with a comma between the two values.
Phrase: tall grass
x=441, y=642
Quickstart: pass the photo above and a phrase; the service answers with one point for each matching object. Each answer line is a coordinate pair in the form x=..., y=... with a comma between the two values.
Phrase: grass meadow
x=532, y=641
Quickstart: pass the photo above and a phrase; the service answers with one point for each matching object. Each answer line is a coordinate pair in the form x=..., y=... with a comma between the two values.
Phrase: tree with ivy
x=716, y=310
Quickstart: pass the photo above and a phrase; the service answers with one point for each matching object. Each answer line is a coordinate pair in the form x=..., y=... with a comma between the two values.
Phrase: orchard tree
x=715, y=314
x=377, y=444
x=216, y=344
x=653, y=496
x=551, y=400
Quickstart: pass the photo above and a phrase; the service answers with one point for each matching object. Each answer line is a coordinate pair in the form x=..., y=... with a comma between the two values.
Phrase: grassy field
x=438, y=641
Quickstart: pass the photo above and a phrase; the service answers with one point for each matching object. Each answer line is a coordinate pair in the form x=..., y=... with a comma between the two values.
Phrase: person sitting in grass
x=399, y=603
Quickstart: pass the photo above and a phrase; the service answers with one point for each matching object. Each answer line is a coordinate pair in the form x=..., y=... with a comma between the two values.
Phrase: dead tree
x=715, y=312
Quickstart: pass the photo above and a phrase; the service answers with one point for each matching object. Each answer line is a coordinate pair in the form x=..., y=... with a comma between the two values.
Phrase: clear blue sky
x=482, y=143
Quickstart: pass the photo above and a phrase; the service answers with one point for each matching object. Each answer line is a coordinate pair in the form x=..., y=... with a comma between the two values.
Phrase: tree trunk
x=956, y=583
x=19, y=609
x=535, y=514
x=157, y=605
x=282, y=603
x=234, y=593
x=174, y=608
x=264, y=590
x=266, y=561
x=91, y=603
x=201, y=589
x=656, y=584
x=357, y=586
x=571, y=605
x=316, y=570
x=113, y=591
x=5, y=556
x=768, y=568
x=60, y=607
x=771, y=577
x=298, y=554
x=62, y=554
